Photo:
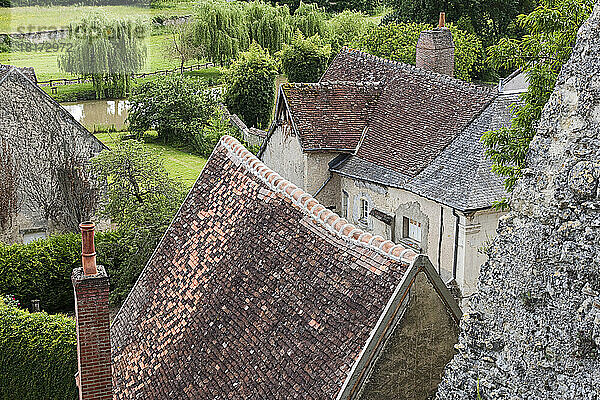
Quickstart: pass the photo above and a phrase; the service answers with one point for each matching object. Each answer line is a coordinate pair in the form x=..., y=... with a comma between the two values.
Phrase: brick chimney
x=90, y=283
x=435, y=49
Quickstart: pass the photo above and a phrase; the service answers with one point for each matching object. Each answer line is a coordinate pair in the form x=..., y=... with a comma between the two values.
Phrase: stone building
x=396, y=150
x=43, y=152
x=257, y=291
x=534, y=331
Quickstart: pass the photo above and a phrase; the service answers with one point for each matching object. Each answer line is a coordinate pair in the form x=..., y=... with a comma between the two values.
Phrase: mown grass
x=33, y=19
x=178, y=162
x=46, y=63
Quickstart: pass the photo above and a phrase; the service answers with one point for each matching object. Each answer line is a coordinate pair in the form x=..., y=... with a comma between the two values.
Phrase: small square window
x=412, y=229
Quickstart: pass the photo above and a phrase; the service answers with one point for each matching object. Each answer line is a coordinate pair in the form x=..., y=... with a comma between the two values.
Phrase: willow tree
x=310, y=19
x=109, y=51
x=270, y=26
x=220, y=30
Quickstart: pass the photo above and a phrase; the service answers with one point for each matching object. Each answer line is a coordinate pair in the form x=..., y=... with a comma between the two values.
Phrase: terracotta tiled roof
x=256, y=291
x=418, y=113
x=331, y=115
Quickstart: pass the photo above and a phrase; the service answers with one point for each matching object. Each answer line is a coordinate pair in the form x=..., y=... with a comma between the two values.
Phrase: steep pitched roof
x=26, y=71
x=331, y=115
x=418, y=113
x=255, y=291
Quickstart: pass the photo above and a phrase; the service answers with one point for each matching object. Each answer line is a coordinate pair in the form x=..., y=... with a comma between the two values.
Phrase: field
x=33, y=19
x=178, y=163
x=46, y=65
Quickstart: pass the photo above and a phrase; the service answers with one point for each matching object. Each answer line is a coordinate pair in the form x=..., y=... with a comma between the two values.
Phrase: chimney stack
x=90, y=283
x=435, y=49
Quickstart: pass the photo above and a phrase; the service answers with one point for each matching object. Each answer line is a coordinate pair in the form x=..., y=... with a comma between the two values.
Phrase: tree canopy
x=398, y=42
x=250, y=86
x=305, y=60
x=550, y=33
x=176, y=106
x=106, y=50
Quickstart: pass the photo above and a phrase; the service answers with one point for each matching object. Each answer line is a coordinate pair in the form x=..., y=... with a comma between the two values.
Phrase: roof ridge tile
x=319, y=213
x=411, y=68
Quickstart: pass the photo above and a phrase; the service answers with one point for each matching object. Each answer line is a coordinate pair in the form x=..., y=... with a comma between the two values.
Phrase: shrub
x=344, y=27
x=176, y=106
x=305, y=60
x=250, y=86
x=42, y=269
x=38, y=356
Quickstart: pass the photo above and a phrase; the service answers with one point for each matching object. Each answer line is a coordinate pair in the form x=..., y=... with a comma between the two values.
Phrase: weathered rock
x=535, y=329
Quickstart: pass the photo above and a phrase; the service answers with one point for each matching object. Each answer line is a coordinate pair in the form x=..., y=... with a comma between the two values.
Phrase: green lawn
x=46, y=64
x=32, y=19
x=178, y=163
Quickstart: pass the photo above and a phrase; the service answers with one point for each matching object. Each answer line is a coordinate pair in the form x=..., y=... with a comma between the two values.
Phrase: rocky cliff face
x=535, y=329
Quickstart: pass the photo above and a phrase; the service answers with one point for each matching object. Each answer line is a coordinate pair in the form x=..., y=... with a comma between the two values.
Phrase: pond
x=99, y=114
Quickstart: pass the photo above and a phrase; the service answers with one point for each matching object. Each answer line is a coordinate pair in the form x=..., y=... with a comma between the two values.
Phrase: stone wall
x=284, y=155
x=534, y=332
x=412, y=361
x=49, y=150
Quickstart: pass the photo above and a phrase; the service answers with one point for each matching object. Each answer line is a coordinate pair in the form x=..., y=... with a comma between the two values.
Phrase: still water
x=99, y=113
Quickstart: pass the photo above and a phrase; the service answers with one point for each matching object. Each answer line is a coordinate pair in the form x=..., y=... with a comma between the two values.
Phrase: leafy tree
x=398, y=42
x=490, y=19
x=269, y=26
x=250, y=86
x=107, y=51
x=220, y=30
x=182, y=46
x=346, y=26
x=176, y=106
x=207, y=138
x=141, y=198
x=551, y=31
x=310, y=19
x=305, y=60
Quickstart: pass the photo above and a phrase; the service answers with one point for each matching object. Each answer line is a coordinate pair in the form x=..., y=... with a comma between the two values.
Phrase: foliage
x=182, y=45
x=107, y=51
x=395, y=42
x=346, y=26
x=42, y=269
x=208, y=137
x=139, y=192
x=9, y=180
x=176, y=106
x=310, y=19
x=141, y=199
x=551, y=31
x=305, y=60
x=398, y=42
x=220, y=31
x=38, y=355
x=334, y=6
x=269, y=26
x=250, y=86
x=489, y=19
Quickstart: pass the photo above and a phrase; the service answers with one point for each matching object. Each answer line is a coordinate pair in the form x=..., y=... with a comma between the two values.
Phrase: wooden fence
x=65, y=81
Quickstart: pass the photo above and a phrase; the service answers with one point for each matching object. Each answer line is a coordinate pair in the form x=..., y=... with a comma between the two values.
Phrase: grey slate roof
x=460, y=176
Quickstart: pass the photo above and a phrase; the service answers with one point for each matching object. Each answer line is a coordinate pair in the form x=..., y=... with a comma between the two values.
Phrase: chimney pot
x=442, y=22
x=88, y=249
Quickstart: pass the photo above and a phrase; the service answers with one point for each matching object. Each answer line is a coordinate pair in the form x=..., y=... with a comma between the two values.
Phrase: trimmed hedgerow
x=38, y=355
x=42, y=269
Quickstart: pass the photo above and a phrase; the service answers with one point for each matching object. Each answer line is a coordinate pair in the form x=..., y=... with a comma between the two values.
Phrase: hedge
x=38, y=355
x=42, y=269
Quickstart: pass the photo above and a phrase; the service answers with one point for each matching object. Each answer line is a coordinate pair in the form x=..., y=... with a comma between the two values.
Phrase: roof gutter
x=332, y=164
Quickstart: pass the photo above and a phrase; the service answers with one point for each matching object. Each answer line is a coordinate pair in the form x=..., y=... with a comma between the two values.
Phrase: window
x=412, y=229
x=344, y=204
x=364, y=211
